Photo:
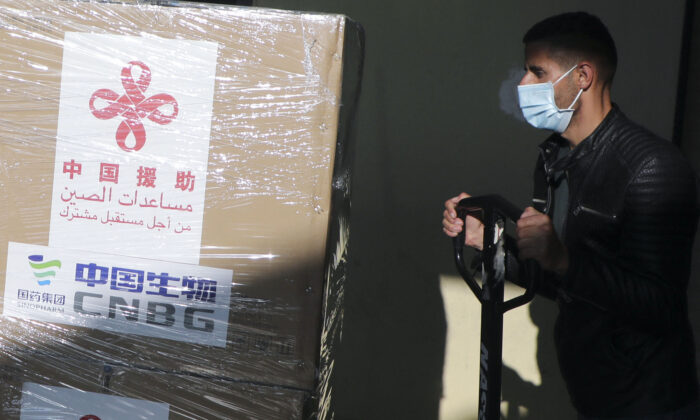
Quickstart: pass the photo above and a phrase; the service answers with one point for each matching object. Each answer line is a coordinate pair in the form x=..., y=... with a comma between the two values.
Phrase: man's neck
x=587, y=118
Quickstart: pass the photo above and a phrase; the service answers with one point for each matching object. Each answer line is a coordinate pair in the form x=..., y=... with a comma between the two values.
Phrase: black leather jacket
x=623, y=337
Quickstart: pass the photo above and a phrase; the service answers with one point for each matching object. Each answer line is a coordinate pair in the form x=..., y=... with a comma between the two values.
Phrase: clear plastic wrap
x=175, y=182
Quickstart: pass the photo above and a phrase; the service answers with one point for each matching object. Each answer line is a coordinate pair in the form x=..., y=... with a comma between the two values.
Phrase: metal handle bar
x=489, y=208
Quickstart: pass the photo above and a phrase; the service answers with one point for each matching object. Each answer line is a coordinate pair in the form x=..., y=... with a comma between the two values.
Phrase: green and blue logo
x=44, y=271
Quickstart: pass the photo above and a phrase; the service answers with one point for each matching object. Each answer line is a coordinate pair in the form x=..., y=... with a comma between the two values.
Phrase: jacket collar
x=549, y=149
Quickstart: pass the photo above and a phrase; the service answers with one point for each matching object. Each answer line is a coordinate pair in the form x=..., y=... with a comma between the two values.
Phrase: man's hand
x=537, y=240
x=452, y=225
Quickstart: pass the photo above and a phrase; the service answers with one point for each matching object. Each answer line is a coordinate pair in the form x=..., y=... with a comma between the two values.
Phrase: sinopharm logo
x=44, y=271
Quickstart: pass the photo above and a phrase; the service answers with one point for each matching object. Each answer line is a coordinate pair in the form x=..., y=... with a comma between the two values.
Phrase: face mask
x=539, y=108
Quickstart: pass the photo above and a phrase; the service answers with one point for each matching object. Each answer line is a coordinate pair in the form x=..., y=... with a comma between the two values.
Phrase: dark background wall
x=433, y=121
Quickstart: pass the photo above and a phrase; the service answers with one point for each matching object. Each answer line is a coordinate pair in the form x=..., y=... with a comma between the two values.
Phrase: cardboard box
x=35, y=386
x=74, y=162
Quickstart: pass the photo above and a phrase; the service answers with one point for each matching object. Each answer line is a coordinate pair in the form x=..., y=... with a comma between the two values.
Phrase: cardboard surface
x=268, y=186
x=65, y=388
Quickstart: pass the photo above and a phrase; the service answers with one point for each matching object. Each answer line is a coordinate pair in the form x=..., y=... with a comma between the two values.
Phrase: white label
x=41, y=402
x=132, y=145
x=158, y=299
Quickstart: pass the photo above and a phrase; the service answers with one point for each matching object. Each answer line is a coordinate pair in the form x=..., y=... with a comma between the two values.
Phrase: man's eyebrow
x=534, y=68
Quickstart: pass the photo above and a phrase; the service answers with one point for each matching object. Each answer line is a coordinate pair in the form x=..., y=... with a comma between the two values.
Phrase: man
x=614, y=217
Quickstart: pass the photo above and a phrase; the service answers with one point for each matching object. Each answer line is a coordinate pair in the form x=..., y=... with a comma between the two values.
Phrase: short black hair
x=577, y=35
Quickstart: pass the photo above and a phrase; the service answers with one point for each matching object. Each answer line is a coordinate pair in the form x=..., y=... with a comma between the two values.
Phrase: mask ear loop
x=565, y=74
x=576, y=98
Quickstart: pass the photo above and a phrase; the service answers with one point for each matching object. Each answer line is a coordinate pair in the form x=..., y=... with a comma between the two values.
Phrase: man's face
x=541, y=68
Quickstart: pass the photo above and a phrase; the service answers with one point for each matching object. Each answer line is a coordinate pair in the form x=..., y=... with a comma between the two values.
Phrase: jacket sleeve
x=521, y=273
x=646, y=281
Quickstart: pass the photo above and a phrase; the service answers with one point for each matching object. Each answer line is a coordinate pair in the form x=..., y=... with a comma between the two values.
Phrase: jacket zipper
x=548, y=177
x=568, y=204
x=580, y=208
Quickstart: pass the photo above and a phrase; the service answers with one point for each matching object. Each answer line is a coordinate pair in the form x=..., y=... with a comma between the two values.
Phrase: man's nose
x=526, y=80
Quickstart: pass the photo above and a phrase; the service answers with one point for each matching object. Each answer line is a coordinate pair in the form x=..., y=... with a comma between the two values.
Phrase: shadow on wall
x=548, y=400
x=532, y=387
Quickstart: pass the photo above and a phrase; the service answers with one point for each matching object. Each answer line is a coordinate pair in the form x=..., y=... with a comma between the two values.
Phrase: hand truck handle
x=488, y=208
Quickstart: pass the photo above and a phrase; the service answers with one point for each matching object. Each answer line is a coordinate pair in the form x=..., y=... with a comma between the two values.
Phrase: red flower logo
x=133, y=106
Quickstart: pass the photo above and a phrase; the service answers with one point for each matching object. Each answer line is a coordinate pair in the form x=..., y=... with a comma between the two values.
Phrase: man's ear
x=585, y=73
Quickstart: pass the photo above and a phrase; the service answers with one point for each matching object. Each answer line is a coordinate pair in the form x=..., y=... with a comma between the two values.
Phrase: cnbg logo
x=44, y=271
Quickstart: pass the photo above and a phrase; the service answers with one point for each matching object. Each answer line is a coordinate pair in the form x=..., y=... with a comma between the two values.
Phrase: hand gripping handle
x=488, y=208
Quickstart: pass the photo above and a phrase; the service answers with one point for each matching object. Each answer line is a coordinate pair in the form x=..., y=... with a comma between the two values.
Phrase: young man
x=612, y=225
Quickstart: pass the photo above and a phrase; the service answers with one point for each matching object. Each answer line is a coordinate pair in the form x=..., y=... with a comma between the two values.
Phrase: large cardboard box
x=60, y=388
x=190, y=135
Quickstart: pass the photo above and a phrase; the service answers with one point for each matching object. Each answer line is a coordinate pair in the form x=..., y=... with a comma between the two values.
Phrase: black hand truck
x=493, y=211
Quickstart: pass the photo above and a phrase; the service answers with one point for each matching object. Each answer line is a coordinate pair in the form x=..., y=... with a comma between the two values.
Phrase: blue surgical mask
x=539, y=108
